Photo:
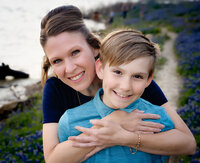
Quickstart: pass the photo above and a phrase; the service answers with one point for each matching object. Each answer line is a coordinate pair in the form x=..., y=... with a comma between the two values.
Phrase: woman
x=70, y=49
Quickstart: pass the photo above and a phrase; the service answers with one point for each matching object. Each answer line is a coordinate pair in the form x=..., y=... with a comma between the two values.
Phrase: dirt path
x=167, y=78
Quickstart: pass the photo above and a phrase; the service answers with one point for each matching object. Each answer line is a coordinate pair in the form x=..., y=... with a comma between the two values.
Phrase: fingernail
x=92, y=120
x=76, y=127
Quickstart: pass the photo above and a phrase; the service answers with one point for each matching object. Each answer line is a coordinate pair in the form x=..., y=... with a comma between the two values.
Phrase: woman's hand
x=134, y=122
x=103, y=133
x=111, y=129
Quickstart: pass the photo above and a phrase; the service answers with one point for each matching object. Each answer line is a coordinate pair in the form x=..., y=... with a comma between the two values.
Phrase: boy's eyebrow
x=143, y=73
x=121, y=69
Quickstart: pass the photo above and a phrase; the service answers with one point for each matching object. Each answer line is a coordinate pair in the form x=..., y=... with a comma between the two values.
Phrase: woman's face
x=72, y=59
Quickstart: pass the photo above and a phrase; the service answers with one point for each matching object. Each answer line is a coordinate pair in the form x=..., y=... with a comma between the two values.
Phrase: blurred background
x=20, y=30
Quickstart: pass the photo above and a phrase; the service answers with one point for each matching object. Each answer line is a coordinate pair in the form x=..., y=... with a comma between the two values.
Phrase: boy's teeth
x=121, y=95
x=77, y=77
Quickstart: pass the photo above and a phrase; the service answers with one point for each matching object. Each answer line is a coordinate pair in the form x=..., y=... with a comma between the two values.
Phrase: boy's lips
x=77, y=77
x=121, y=95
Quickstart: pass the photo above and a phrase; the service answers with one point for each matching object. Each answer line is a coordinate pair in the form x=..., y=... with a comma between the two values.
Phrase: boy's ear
x=99, y=69
x=149, y=80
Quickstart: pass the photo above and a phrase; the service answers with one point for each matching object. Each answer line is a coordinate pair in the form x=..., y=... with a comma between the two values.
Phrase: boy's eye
x=138, y=76
x=117, y=72
x=75, y=52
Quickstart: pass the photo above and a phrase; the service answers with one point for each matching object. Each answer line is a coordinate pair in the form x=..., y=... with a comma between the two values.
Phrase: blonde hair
x=125, y=45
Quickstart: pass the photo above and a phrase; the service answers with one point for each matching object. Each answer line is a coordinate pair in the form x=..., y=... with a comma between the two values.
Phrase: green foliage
x=150, y=30
x=160, y=62
x=21, y=135
x=183, y=99
x=189, y=69
x=160, y=39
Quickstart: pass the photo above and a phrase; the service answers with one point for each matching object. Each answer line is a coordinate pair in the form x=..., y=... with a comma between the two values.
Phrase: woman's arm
x=65, y=152
x=178, y=141
x=54, y=98
x=188, y=141
x=60, y=152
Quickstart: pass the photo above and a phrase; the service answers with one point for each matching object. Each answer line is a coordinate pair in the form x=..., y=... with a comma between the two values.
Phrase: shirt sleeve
x=52, y=102
x=63, y=128
x=154, y=94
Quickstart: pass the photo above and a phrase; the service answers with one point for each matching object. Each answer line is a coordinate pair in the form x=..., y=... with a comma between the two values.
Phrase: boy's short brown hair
x=125, y=45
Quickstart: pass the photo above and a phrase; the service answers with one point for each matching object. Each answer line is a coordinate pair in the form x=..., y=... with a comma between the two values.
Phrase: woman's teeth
x=77, y=77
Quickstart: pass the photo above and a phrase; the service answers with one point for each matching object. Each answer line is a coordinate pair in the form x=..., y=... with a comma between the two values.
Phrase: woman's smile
x=77, y=77
x=74, y=64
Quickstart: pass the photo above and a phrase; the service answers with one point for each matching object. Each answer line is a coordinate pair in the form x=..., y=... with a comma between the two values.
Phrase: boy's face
x=124, y=84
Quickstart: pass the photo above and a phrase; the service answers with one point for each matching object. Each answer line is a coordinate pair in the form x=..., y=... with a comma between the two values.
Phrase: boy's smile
x=125, y=83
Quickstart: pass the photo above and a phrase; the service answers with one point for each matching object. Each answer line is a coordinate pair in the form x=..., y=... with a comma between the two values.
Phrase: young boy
x=126, y=65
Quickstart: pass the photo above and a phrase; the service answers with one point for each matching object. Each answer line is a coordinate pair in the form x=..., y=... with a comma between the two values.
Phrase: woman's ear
x=99, y=69
x=149, y=80
x=96, y=52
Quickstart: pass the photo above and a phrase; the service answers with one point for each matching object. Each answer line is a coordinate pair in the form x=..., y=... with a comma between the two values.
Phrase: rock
x=5, y=71
x=15, y=91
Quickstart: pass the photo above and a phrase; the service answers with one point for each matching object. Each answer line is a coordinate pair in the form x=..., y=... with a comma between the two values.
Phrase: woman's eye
x=56, y=61
x=75, y=52
x=117, y=72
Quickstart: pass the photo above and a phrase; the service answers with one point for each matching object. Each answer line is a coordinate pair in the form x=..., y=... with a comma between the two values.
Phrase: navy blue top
x=58, y=97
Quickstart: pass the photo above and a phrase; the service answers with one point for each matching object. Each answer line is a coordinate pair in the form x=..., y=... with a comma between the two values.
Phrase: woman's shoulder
x=55, y=83
x=57, y=98
x=53, y=80
x=154, y=94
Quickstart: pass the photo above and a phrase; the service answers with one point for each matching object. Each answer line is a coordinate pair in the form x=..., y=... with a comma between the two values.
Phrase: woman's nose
x=69, y=66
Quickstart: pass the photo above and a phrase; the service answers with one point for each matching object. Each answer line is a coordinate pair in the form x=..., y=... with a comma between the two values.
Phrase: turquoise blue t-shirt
x=96, y=109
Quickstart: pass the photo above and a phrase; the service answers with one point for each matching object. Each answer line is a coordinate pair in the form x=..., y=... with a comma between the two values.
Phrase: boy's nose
x=125, y=84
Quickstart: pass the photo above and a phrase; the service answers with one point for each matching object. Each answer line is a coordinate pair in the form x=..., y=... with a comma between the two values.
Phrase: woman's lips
x=77, y=77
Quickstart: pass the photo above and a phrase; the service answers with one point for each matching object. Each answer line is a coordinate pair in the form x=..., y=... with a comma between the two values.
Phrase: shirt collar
x=104, y=110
